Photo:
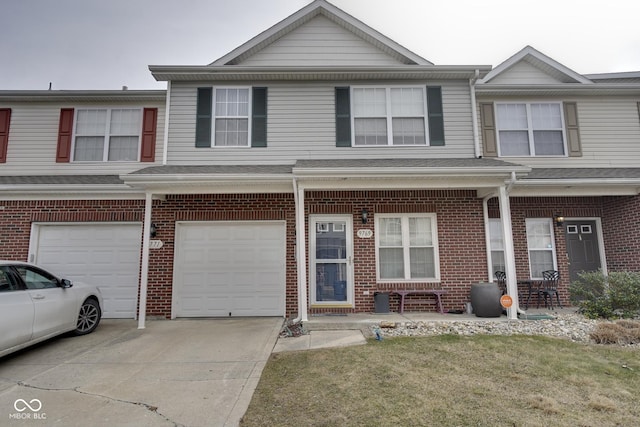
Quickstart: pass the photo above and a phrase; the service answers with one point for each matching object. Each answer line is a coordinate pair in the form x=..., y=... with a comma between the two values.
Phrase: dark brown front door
x=582, y=247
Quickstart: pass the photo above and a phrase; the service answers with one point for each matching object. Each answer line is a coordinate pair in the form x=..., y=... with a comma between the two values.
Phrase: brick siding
x=460, y=228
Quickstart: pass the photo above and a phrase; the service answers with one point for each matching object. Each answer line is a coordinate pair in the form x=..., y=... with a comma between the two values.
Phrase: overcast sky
x=105, y=44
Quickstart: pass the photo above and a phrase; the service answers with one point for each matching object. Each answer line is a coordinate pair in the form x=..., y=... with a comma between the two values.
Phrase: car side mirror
x=65, y=283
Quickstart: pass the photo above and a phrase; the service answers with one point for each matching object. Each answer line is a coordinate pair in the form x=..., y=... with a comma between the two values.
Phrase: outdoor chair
x=549, y=287
x=501, y=280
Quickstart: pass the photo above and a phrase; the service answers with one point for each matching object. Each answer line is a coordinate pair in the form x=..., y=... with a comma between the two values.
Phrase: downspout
x=298, y=194
x=167, y=110
x=511, y=182
x=509, y=254
x=507, y=235
x=474, y=114
x=144, y=268
x=487, y=237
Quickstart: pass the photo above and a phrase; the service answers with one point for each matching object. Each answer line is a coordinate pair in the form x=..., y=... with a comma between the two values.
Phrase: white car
x=35, y=305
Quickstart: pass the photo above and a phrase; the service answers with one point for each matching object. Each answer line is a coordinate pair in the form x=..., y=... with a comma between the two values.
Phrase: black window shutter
x=343, y=117
x=203, y=117
x=259, y=117
x=436, y=119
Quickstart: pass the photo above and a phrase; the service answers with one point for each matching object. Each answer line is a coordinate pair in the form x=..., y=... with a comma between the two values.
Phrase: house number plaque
x=365, y=234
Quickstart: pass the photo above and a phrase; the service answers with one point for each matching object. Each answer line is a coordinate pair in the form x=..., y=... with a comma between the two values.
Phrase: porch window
x=530, y=129
x=107, y=134
x=407, y=247
x=541, y=246
x=496, y=246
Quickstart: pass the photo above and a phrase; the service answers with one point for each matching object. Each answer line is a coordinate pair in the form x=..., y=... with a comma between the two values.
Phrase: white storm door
x=331, y=260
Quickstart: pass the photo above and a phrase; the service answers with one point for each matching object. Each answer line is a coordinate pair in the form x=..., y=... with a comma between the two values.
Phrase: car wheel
x=88, y=318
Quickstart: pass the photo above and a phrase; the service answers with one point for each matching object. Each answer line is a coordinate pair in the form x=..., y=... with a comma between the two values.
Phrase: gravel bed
x=574, y=327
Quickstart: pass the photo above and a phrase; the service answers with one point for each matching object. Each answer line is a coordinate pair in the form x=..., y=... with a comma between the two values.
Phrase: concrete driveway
x=173, y=373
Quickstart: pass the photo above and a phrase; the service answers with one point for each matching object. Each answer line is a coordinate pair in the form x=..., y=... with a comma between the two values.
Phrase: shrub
x=614, y=296
x=622, y=332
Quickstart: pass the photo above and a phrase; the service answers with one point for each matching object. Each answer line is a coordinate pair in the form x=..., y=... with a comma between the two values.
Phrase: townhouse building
x=316, y=165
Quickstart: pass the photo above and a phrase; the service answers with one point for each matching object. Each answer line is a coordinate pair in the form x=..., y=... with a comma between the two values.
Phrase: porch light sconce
x=365, y=216
x=558, y=219
x=153, y=231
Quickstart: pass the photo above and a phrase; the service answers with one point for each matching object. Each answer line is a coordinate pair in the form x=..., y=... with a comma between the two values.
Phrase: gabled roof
x=336, y=15
x=542, y=62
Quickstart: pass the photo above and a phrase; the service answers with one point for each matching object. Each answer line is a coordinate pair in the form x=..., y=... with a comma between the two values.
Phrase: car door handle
x=38, y=296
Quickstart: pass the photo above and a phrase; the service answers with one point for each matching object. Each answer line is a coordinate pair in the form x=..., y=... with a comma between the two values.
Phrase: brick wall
x=16, y=218
x=460, y=235
x=621, y=224
x=220, y=207
x=459, y=223
x=546, y=207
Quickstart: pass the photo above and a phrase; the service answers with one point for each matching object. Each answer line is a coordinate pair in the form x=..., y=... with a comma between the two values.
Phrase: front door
x=331, y=260
x=582, y=247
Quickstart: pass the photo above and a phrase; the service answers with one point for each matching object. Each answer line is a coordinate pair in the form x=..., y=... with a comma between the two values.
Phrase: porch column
x=144, y=269
x=301, y=253
x=509, y=252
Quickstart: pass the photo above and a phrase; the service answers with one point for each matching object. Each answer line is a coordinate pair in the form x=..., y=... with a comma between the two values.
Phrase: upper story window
x=107, y=134
x=110, y=134
x=407, y=247
x=530, y=129
x=389, y=116
x=231, y=117
x=231, y=114
x=5, y=121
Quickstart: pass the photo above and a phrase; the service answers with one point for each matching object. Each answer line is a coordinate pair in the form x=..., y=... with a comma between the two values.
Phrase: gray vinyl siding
x=524, y=72
x=319, y=42
x=301, y=125
x=609, y=134
x=33, y=140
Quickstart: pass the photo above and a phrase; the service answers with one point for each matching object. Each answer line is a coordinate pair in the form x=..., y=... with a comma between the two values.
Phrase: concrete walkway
x=353, y=329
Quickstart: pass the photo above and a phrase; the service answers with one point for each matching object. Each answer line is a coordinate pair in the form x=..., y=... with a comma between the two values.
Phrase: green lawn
x=451, y=380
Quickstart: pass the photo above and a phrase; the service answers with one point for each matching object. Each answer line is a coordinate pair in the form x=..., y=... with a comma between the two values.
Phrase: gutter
x=301, y=264
x=167, y=110
x=474, y=114
x=74, y=188
x=406, y=171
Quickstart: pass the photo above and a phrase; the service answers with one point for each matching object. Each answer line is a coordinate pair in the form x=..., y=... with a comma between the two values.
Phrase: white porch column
x=509, y=252
x=144, y=269
x=301, y=253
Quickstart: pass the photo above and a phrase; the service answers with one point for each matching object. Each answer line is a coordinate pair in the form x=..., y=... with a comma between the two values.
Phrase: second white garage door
x=229, y=269
x=106, y=255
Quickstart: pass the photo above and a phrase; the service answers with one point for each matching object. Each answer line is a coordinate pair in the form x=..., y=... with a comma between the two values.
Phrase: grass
x=451, y=380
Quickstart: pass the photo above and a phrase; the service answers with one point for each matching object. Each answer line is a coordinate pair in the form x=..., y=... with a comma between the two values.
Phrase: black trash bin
x=485, y=300
x=381, y=300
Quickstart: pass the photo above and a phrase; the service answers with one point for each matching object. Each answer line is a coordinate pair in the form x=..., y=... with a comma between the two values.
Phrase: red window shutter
x=65, y=131
x=5, y=119
x=148, y=146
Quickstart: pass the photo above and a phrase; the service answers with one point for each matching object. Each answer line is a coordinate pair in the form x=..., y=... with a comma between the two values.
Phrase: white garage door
x=106, y=255
x=230, y=269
